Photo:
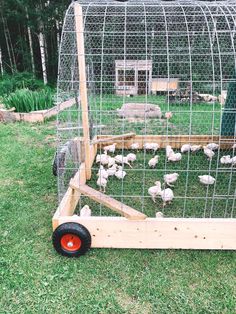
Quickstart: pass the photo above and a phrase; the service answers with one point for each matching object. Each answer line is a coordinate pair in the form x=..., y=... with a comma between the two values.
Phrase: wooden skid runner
x=113, y=204
x=159, y=233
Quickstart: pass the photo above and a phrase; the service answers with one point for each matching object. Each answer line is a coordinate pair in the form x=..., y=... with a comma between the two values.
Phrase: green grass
x=203, y=118
x=34, y=279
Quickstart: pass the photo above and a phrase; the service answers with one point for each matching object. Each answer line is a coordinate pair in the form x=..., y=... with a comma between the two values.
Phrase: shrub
x=25, y=100
x=10, y=83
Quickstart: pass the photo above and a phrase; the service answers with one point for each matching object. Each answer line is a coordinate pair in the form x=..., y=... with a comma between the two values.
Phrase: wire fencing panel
x=178, y=56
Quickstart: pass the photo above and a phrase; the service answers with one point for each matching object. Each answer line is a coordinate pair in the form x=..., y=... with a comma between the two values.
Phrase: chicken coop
x=140, y=180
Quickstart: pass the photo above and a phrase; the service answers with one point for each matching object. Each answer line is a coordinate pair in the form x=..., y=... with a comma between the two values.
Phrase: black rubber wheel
x=71, y=239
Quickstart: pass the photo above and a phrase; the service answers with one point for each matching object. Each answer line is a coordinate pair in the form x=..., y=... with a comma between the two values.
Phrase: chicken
x=208, y=152
x=135, y=146
x=110, y=148
x=120, y=159
x=174, y=156
x=168, y=115
x=85, y=211
x=233, y=161
x=207, y=179
x=131, y=157
x=102, y=183
x=159, y=215
x=166, y=195
x=120, y=173
x=169, y=150
x=153, y=161
x=102, y=172
x=111, y=161
x=195, y=148
x=151, y=146
x=102, y=159
x=186, y=148
x=171, y=178
x=111, y=171
x=212, y=146
x=154, y=191
x=225, y=160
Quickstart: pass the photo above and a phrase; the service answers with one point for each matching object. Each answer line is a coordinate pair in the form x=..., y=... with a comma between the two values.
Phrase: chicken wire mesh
x=178, y=56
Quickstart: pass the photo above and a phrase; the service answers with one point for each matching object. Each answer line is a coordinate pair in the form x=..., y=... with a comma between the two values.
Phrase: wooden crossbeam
x=108, y=201
x=113, y=138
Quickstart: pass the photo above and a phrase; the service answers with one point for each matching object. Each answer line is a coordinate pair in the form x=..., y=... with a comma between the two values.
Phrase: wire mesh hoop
x=166, y=72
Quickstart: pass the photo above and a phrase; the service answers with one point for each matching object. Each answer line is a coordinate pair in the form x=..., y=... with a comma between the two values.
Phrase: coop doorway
x=142, y=82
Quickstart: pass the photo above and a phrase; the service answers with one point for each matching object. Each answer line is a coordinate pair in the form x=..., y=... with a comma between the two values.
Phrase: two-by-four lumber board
x=159, y=233
x=176, y=141
x=109, y=202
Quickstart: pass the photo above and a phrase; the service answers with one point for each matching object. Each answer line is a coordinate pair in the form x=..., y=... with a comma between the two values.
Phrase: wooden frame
x=135, y=230
x=35, y=116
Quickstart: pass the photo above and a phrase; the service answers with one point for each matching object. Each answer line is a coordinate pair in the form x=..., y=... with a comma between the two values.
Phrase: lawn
x=34, y=279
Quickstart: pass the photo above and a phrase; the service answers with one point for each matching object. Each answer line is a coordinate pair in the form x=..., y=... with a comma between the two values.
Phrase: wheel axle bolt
x=70, y=244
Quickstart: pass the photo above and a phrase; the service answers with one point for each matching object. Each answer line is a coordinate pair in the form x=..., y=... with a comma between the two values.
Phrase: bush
x=25, y=100
x=10, y=83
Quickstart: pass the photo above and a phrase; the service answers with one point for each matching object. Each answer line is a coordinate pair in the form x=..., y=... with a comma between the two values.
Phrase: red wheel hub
x=70, y=242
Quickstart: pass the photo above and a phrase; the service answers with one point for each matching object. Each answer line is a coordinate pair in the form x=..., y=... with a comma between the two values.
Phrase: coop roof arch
x=193, y=41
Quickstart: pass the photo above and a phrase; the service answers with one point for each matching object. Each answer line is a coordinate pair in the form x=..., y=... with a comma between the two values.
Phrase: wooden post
x=83, y=85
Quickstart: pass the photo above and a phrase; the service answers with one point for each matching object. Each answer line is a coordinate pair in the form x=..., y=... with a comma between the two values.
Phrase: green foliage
x=10, y=83
x=25, y=100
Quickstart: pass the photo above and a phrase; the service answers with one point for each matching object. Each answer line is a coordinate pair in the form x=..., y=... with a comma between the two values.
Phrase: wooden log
x=109, y=202
x=159, y=233
x=79, y=28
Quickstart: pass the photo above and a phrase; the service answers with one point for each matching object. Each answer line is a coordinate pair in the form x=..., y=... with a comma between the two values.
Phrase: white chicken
x=207, y=179
x=169, y=150
x=225, y=160
x=110, y=148
x=120, y=159
x=111, y=171
x=131, y=157
x=185, y=148
x=195, y=148
x=85, y=211
x=135, y=146
x=102, y=159
x=233, y=161
x=154, y=191
x=174, y=156
x=111, y=161
x=102, y=183
x=153, y=161
x=166, y=195
x=159, y=215
x=102, y=172
x=212, y=146
x=208, y=152
x=120, y=173
x=151, y=146
x=171, y=178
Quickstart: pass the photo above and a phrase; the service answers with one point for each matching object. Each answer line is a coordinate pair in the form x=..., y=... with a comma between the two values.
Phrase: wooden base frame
x=135, y=230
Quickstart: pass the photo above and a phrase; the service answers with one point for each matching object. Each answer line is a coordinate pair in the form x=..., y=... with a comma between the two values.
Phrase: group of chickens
x=114, y=166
